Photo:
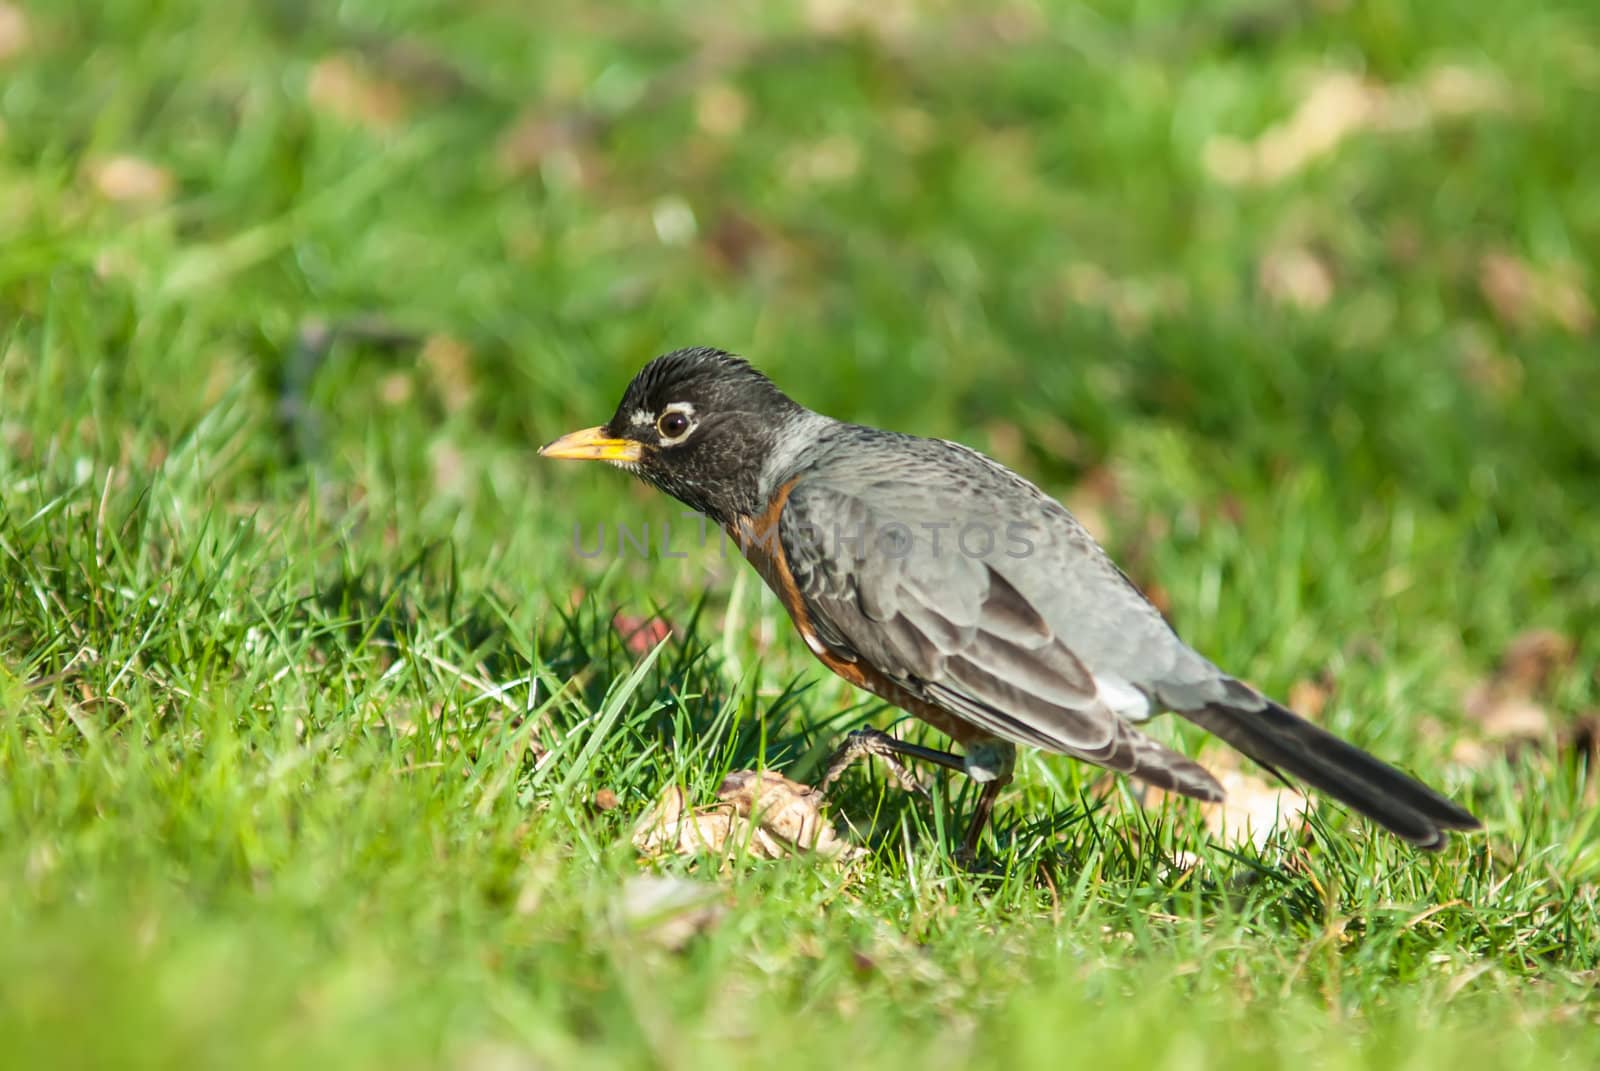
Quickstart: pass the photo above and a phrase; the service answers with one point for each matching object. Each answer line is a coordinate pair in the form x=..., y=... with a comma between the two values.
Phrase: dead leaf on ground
x=885, y=20
x=1532, y=659
x=787, y=809
x=1508, y=706
x=1522, y=295
x=1340, y=104
x=669, y=910
x=720, y=109
x=640, y=635
x=342, y=86
x=1308, y=697
x=1095, y=498
x=132, y=180
x=1295, y=276
x=735, y=241
x=14, y=34
x=1254, y=809
x=760, y=813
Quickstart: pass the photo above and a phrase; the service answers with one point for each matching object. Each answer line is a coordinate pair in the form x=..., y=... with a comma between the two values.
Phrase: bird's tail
x=1288, y=744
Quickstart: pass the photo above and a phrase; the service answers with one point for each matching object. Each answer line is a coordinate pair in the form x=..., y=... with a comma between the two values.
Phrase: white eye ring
x=676, y=423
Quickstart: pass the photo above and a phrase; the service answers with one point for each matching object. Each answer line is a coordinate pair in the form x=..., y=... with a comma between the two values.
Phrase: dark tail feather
x=1283, y=741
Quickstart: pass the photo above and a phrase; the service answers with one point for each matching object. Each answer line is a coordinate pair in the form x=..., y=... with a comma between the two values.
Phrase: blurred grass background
x=1292, y=301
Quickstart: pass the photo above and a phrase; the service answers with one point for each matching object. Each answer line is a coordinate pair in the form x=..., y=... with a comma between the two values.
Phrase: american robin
x=946, y=584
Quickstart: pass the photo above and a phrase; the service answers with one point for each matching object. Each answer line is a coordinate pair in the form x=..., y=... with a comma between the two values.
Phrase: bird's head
x=696, y=423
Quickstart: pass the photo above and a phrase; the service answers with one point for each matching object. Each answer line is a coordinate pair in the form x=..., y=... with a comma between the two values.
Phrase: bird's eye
x=672, y=424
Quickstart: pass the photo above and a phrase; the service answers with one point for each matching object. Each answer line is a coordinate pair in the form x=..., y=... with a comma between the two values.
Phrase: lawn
x=321, y=744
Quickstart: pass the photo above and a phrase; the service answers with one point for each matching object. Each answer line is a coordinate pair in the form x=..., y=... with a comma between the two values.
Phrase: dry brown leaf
x=787, y=809
x=672, y=827
x=1295, y=276
x=886, y=20
x=1339, y=104
x=1522, y=295
x=1533, y=657
x=1507, y=706
x=395, y=388
x=1253, y=810
x=720, y=109
x=1452, y=90
x=14, y=34
x=341, y=86
x=1094, y=499
x=764, y=815
x=1506, y=713
x=640, y=635
x=734, y=241
x=131, y=180
x=1309, y=698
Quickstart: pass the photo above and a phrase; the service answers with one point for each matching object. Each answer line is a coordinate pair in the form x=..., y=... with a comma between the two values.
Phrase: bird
x=942, y=582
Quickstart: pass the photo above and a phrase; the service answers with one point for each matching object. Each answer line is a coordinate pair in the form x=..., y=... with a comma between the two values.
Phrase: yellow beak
x=591, y=444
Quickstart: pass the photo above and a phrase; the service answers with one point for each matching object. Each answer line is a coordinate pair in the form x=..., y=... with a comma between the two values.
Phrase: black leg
x=991, y=760
x=980, y=819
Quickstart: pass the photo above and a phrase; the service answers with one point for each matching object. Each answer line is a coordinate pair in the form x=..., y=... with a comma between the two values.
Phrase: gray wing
x=958, y=590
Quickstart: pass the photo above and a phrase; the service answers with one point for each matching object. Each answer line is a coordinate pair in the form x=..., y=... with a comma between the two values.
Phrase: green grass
x=301, y=725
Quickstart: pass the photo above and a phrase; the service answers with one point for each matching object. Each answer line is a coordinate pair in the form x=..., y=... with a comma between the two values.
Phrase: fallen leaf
x=14, y=34
x=720, y=109
x=1340, y=104
x=1507, y=706
x=734, y=240
x=341, y=86
x=1295, y=276
x=640, y=635
x=1452, y=90
x=1506, y=713
x=883, y=19
x=1309, y=698
x=672, y=827
x=1095, y=497
x=395, y=388
x=1522, y=295
x=669, y=910
x=787, y=809
x=762, y=814
x=1533, y=657
x=1253, y=810
x=131, y=180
